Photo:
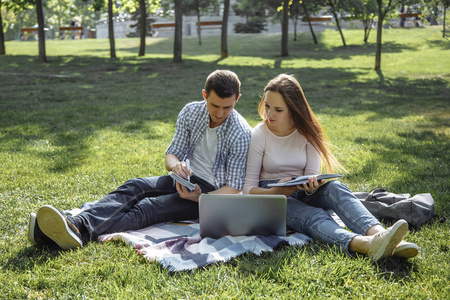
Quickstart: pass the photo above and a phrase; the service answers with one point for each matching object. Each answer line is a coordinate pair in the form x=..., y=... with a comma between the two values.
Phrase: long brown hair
x=304, y=119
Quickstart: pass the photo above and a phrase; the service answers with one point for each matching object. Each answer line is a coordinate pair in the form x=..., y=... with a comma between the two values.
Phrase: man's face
x=219, y=108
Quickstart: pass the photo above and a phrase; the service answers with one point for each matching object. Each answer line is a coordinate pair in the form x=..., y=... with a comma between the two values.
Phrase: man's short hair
x=224, y=82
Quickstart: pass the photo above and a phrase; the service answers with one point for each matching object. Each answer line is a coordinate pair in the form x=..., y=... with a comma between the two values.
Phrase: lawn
x=76, y=128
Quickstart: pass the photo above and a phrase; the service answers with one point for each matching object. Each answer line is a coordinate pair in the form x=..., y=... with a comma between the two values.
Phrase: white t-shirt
x=274, y=157
x=204, y=155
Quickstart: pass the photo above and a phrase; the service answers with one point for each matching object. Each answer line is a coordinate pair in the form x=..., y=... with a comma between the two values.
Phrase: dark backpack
x=382, y=204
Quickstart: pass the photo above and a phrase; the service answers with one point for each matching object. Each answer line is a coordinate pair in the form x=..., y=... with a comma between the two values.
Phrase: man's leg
x=138, y=203
x=105, y=213
x=153, y=210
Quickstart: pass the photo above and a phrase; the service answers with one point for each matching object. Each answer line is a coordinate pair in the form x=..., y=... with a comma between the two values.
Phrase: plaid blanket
x=178, y=246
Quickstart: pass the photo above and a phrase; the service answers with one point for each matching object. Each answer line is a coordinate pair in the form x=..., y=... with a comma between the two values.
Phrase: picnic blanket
x=179, y=247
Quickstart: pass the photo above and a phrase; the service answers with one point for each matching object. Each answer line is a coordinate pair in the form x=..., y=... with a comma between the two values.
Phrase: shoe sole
x=54, y=225
x=406, y=251
x=396, y=235
x=31, y=226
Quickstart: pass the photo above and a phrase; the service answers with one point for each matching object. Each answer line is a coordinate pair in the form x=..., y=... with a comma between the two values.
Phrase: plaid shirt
x=233, y=140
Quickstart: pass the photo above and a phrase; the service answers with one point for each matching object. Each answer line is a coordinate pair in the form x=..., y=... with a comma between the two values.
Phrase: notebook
x=236, y=215
x=304, y=179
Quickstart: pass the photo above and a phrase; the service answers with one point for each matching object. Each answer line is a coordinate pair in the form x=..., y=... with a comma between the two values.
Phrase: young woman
x=290, y=142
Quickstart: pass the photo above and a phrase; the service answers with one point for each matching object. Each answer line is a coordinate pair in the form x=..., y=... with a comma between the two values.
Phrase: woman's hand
x=311, y=186
x=285, y=190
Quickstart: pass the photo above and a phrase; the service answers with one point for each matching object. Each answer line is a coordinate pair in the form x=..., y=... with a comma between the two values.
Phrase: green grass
x=76, y=128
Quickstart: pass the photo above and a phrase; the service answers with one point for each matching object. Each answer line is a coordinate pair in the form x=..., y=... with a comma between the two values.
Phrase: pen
x=188, y=165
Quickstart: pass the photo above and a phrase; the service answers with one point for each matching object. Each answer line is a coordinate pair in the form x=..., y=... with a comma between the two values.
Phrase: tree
x=364, y=10
x=41, y=31
x=224, y=37
x=97, y=6
x=20, y=5
x=431, y=9
x=254, y=12
x=446, y=4
x=334, y=7
x=178, y=39
x=304, y=8
x=112, y=44
x=199, y=7
x=143, y=26
x=383, y=8
x=2, y=36
x=285, y=29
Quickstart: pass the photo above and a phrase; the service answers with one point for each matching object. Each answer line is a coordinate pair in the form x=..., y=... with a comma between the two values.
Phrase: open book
x=190, y=186
x=304, y=179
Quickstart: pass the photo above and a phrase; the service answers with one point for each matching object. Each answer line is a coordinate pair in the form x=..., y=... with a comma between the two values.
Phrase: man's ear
x=204, y=94
x=239, y=96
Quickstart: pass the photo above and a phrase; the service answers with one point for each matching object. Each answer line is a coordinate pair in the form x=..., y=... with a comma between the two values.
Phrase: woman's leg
x=336, y=196
x=317, y=223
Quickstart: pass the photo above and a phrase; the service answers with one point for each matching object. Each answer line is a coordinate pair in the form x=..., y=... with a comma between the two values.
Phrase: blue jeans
x=308, y=214
x=138, y=203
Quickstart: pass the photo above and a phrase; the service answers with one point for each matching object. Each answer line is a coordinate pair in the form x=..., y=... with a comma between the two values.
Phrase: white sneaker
x=406, y=250
x=57, y=227
x=384, y=243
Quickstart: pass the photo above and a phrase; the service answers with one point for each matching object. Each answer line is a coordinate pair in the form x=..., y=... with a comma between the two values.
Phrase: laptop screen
x=237, y=215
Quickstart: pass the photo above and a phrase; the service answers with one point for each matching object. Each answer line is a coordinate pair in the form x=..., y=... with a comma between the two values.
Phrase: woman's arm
x=279, y=190
x=254, y=160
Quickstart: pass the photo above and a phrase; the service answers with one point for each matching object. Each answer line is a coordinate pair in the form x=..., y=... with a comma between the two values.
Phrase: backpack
x=382, y=204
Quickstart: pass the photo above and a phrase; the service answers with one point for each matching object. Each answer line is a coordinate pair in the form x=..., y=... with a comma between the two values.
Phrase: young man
x=211, y=134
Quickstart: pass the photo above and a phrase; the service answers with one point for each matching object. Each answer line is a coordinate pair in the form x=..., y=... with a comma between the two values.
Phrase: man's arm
x=226, y=189
x=195, y=194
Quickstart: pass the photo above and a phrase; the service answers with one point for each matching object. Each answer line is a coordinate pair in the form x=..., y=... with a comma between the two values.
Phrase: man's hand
x=185, y=194
x=181, y=169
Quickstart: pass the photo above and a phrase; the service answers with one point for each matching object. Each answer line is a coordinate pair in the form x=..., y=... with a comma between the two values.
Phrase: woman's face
x=277, y=112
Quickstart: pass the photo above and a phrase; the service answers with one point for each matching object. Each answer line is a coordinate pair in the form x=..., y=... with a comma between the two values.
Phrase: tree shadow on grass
x=129, y=94
x=26, y=258
x=395, y=98
x=241, y=45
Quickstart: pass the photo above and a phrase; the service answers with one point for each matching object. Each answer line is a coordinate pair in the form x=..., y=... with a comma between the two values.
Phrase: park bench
x=160, y=27
x=321, y=20
x=210, y=24
x=413, y=18
x=27, y=32
x=64, y=29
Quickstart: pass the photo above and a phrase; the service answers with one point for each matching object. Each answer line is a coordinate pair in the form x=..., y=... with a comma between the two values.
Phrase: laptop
x=237, y=215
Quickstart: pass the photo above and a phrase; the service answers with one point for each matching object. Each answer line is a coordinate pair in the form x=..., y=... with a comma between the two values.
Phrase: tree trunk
x=178, y=32
x=285, y=29
x=224, y=42
x=379, y=32
x=367, y=28
x=112, y=47
x=337, y=23
x=445, y=15
x=41, y=31
x=309, y=22
x=143, y=26
x=199, y=28
x=2, y=37
x=295, y=27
